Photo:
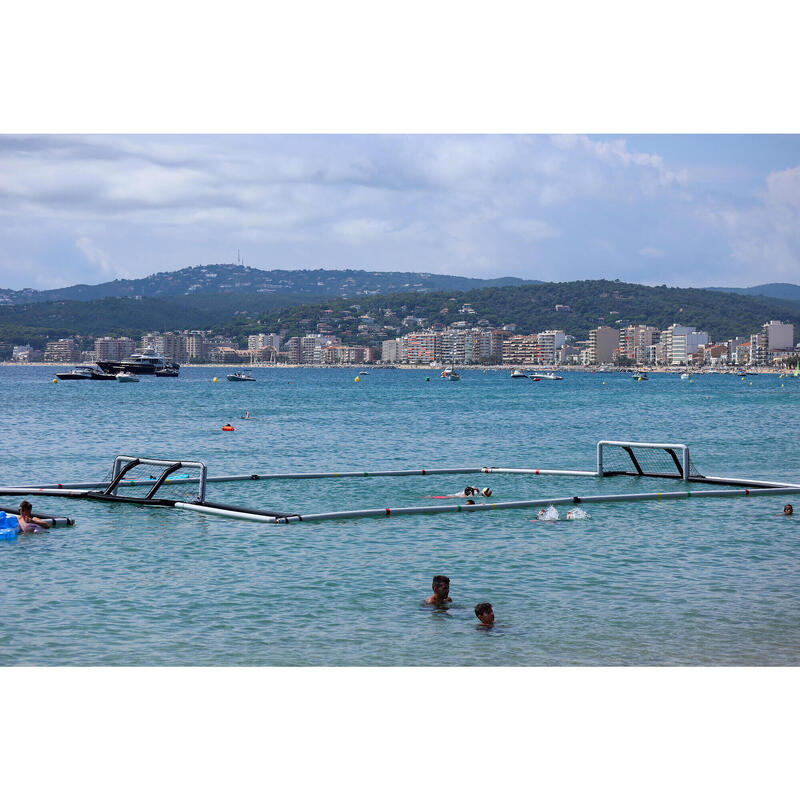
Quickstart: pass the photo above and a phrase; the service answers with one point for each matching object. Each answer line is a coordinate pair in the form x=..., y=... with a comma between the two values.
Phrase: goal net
x=153, y=480
x=646, y=459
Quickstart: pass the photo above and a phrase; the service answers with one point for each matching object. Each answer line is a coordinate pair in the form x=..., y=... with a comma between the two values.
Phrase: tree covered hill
x=298, y=285
x=531, y=307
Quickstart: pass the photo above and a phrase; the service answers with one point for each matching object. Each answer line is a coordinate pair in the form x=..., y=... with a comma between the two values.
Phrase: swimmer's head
x=442, y=581
x=25, y=507
x=788, y=510
x=487, y=492
x=485, y=613
x=541, y=513
x=470, y=502
x=468, y=490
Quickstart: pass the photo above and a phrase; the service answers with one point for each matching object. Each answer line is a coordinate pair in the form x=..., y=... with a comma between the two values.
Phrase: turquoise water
x=696, y=582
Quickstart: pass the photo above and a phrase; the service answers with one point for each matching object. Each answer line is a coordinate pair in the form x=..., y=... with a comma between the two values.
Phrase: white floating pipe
x=302, y=475
x=443, y=509
x=225, y=512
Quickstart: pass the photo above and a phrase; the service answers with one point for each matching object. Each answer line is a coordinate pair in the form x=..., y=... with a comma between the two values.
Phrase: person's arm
x=25, y=527
x=40, y=522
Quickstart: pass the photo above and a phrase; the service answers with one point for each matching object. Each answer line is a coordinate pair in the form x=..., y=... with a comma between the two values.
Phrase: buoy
x=55, y=380
x=751, y=383
x=781, y=386
x=604, y=383
x=228, y=428
x=216, y=380
x=639, y=379
x=357, y=379
x=427, y=380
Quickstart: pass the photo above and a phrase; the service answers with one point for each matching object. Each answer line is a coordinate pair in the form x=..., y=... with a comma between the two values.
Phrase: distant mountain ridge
x=780, y=291
x=239, y=279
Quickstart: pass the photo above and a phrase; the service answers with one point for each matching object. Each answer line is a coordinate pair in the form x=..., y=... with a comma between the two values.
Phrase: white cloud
x=764, y=235
x=650, y=252
x=96, y=256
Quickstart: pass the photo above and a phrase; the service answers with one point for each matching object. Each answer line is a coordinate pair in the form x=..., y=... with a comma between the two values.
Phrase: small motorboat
x=244, y=375
x=640, y=376
x=546, y=376
x=99, y=375
x=363, y=372
x=77, y=374
x=518, y=373
x=167, y=372
x=453, y=376
x=127, y=377
x=685, y=376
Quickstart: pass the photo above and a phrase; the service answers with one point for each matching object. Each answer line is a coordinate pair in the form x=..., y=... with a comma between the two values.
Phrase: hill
x=780, y=291
x=531, y=307
x=300, y=285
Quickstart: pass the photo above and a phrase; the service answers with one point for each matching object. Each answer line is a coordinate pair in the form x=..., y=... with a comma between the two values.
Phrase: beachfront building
x=24, y=354
x=393, y=350
x=109, y=348
x=519, y=349
x=603, y=341
x=636, y=342
x=195, y=347
x=63, y=351
x=423, y=347
x=548, y=343
x=261, y=340
x=779, y=336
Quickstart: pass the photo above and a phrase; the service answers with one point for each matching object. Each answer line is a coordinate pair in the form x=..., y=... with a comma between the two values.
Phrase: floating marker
x=55, y=380
x=216, y=380
x=357, y=379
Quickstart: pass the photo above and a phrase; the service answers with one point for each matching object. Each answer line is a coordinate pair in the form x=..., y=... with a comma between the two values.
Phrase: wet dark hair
x=25, y=506
x=437, y=579
x=470, y=502
x=469, y=490
x=482, y=608
x=790, y=507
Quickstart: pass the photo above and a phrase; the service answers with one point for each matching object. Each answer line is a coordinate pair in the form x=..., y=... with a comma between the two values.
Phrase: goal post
x=136, y=477
x=648, y=459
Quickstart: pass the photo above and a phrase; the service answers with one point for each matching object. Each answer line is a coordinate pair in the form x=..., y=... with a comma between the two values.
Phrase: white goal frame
x=681, y=449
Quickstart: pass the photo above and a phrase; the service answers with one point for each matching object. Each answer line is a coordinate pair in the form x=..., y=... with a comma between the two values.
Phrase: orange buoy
x=228, y=428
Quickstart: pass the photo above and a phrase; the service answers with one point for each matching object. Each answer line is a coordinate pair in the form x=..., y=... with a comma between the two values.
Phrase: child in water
x=485, y=613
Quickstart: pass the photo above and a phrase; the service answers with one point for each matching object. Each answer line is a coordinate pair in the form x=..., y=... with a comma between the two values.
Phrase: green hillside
x=531, y=307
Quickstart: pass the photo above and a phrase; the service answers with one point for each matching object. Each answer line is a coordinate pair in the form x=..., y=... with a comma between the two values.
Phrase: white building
x=780, y=335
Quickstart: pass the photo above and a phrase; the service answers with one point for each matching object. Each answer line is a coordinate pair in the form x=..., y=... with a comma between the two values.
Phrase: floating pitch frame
x=671, y=460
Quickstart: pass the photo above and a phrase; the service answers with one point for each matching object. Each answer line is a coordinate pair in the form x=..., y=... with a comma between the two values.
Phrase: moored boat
x=243, y=375
x=546, y=376
x=144, y=363
x=77, y=374
x=127, y=377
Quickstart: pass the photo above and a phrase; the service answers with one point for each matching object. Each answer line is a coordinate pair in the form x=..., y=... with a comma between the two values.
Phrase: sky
x=681, y=210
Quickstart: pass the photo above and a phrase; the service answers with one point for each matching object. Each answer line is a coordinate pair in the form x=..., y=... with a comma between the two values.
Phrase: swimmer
x=788, y=510
x=470, y=502
x=441, y=591
x=485, y=613
x=27, y=522
x=246, y=415
x=469, y=491
x=549, y=514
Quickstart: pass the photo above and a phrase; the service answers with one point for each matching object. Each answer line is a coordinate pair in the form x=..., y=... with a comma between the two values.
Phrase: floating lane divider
x=306, y=475
x=554, y=501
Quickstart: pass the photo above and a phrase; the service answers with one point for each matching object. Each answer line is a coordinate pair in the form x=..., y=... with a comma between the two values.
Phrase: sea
x=698, y=581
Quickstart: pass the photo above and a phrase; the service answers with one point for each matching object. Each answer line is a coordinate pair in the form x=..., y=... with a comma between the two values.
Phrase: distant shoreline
x=60, y=366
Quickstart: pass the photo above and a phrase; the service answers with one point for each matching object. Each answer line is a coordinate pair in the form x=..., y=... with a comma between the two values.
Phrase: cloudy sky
x=681, y=210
